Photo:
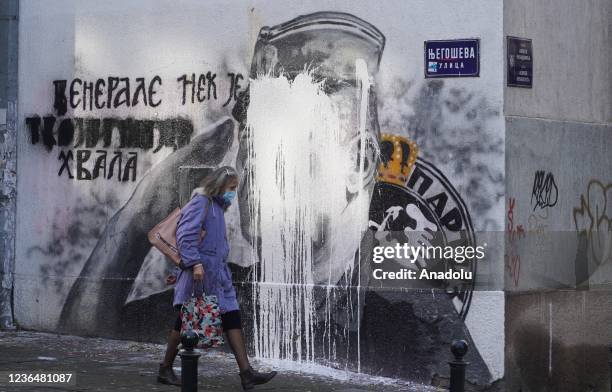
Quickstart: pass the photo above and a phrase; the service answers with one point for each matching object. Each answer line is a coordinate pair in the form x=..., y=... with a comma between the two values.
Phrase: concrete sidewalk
x=117, y=365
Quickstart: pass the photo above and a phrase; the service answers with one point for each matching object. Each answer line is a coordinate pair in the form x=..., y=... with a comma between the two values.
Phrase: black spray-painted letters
x=90, y=169
x=545, y=192
x=112, y=92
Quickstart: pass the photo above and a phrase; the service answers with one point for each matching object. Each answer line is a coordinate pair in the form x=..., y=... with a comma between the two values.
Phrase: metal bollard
x=457, y=367
x=189, y=362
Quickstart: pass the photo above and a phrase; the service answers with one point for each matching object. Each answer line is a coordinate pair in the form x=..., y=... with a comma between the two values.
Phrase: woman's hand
x=170, y=279
x=198, y=272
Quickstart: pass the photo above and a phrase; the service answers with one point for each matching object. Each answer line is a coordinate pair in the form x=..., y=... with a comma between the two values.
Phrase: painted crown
x=398, y=155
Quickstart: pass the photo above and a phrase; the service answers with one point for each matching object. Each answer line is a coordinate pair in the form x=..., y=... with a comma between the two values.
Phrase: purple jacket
x=211, y=253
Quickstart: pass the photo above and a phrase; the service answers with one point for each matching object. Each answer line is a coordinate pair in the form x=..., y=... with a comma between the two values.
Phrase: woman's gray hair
x=214, y=183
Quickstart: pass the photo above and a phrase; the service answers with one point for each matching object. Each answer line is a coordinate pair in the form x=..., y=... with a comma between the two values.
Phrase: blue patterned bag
x=202, y=316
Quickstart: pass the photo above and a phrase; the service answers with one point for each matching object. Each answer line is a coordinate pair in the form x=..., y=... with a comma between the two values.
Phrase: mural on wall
x=320, y=187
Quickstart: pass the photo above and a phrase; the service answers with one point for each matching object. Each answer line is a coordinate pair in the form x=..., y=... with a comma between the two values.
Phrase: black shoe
x=166, y=376
x=251, y=377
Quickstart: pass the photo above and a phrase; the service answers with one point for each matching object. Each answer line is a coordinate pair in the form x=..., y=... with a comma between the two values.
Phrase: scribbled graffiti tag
x=514, y=234
x=545, y=192
x=593, y=218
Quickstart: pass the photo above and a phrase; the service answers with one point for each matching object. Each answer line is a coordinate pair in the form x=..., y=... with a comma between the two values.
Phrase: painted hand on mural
x=420, y=233
x=95, y=302
x=424, y=233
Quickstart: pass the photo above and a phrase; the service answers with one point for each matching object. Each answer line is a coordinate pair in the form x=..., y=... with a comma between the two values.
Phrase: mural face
x=308, y=159
x=342, y=61
x=322, y=183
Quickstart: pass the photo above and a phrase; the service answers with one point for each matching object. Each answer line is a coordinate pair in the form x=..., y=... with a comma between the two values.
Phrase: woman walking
x=204, y=269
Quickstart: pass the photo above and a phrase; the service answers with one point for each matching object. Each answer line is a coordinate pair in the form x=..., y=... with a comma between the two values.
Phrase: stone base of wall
x=558, y=341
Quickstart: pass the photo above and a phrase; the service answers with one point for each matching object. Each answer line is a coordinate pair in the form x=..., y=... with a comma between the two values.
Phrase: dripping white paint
x=308, y=206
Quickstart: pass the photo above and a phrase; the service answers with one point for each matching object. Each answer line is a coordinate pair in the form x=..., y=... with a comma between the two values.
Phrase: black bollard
x=457, y=366
x=189, y=362
x=610, y=365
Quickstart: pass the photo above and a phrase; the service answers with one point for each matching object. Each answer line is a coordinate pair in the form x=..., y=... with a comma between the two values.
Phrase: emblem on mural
x=413, y=202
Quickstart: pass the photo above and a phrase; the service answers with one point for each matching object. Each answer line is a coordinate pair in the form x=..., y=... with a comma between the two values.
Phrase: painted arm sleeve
x=188, y=231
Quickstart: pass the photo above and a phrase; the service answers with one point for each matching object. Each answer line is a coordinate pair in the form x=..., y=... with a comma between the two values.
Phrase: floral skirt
x=229, y=320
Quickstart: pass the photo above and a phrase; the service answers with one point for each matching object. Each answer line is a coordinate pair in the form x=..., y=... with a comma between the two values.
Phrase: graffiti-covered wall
x=558, y=192
x=340, y=142
x=558, y=255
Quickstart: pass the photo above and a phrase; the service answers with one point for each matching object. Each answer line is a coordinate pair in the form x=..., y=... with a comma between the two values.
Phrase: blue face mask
x=229, y=196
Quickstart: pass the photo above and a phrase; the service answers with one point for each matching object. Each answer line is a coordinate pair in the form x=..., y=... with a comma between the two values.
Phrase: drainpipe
x=9, y=11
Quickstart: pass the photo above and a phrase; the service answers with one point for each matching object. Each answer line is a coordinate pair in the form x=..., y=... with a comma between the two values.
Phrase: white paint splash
x=356, y=380
x=307, y=206
x=361, y=73
x=550, y=338
x=46, y=358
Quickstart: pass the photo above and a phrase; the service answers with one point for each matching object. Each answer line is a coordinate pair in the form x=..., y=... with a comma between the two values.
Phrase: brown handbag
x=163, y=235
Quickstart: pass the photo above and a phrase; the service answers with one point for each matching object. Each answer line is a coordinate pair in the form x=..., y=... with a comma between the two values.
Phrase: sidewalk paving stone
x=117, y=365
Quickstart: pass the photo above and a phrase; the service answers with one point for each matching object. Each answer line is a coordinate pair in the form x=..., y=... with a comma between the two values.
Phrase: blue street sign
x=452, y=58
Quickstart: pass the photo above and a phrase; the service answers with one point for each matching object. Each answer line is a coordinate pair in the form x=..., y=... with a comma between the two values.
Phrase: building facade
x=353, y=127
